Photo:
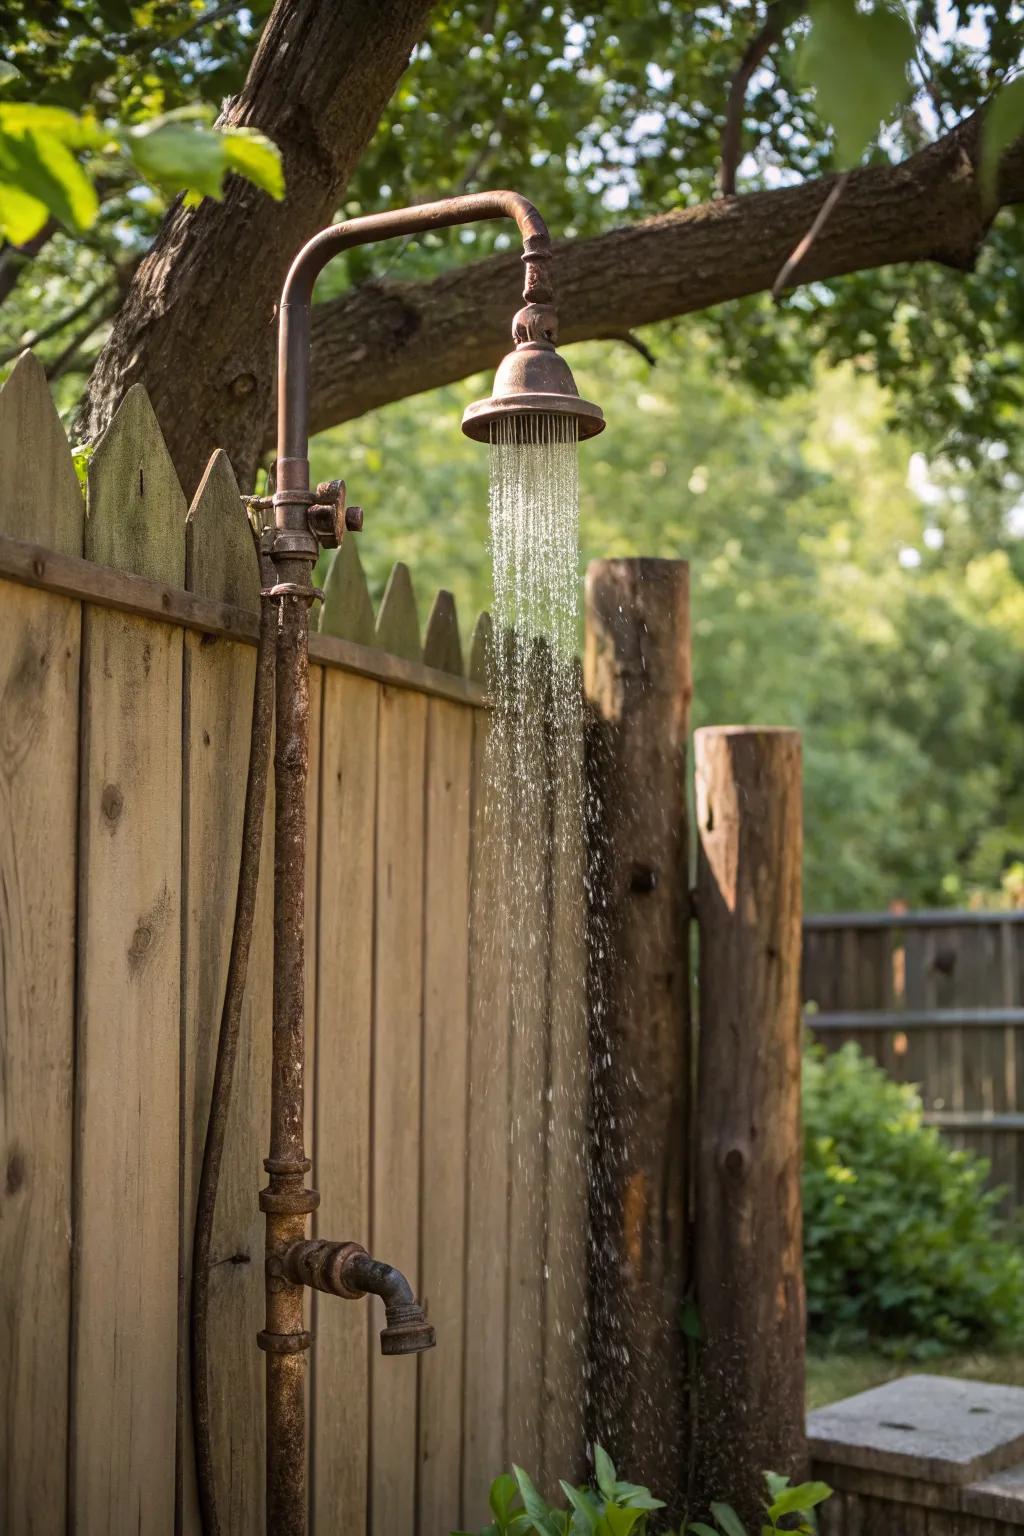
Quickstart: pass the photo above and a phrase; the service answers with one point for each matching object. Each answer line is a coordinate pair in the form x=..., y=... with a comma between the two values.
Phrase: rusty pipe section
x=303, y=521
x=296, y=298
x=347, y=1270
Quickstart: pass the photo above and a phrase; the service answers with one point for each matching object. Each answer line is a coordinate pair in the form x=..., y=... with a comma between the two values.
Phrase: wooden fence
x=126, y=667
x=936, y=999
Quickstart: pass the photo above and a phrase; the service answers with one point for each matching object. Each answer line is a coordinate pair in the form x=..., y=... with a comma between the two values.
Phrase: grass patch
x=834, y=1376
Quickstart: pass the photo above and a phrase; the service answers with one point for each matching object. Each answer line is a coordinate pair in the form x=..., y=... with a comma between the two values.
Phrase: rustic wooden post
x=747, y=1253
x=637, y=680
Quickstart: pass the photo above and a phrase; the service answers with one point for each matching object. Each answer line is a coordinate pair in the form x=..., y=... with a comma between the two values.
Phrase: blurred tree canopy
x=837, y=586
x=605, y=115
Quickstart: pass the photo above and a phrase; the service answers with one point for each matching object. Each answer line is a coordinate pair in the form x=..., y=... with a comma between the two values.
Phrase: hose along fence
x=126, y=665
x=937, y=999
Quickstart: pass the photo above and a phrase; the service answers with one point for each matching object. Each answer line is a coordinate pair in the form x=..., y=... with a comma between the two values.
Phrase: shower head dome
x=534, y=380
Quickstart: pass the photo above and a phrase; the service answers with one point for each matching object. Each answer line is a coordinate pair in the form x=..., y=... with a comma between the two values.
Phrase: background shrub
x=903, y=1246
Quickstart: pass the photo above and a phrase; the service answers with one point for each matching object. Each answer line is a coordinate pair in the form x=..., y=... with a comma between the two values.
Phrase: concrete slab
x=929, y=1427
x=997, y=1497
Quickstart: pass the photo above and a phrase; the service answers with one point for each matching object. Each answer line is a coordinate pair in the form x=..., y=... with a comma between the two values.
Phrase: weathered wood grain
x=346, y=611
x=748, y=1245
x=565, y=1294
x=442, y=647
x=397, y=1045
x=39, y=677
x=445, y=1039
x=398, y=625
x=128, y=1059
x=487, y=1175
x=527, y=905
x=221, y=564
x=41, y=500
x=341, y=1156
x=638, y=682
x=70, y=576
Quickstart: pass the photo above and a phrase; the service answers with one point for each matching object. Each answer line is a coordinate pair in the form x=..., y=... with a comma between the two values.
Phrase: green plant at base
x=616, y=1508
x=903, y=1247
x=786, y=1509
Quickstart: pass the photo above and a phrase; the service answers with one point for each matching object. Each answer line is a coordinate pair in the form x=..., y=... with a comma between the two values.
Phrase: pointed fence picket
x=126, y=669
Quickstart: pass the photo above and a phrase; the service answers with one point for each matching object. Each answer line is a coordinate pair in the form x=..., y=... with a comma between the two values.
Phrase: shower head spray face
x=531, y=381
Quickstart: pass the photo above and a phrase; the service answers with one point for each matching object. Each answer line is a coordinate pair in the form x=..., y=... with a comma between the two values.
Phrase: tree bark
x=747, y=1246
x=386, y=340
x=637, y=679
x=197, y=324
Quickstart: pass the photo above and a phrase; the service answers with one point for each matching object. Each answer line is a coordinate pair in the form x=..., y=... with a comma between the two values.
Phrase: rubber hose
x=227, y=1051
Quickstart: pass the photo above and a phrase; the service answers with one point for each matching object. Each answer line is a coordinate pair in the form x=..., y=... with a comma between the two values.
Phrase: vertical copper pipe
x=286, y=1200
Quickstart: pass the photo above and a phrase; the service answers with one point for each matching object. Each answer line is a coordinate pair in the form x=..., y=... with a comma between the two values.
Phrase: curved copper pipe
x=297, y=295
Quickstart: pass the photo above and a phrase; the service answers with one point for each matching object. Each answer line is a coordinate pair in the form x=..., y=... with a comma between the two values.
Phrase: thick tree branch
x=387, y=340
x=197, y=324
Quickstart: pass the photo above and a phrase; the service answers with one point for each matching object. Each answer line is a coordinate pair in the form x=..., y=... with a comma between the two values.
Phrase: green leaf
x=803, y=1497
x=582, y=1506
x=176, y=155
x=503, y=1491
x=45, y=169
x=1002, y=124
x=700, y=1529
x=539, y=1512
x=619, y=1522
x=728, y=1519
x=253, y=155
x=857, y=63
x=8, y=73
x=19, y=117
x=174, y=152
x=605, y=1471
x=21, y=216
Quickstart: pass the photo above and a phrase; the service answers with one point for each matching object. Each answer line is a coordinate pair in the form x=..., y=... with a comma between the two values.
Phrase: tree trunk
x=748, y=1260
x=197, y=325
x=637, y=679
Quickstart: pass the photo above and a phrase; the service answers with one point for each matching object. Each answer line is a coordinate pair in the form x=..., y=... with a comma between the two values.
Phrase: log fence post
x=637, y=682
x=747, y=1252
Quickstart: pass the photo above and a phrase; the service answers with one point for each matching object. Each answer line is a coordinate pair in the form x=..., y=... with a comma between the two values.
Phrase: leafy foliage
x=613, y=1508
x=50, y=159
x=603, y=114
x=787, y=1508
x=617, y=1508
x=902, y=1246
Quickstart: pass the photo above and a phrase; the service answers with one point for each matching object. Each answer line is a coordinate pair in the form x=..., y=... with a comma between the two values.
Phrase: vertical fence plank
x=126, y=1288
x=39, y=665
x=637, y=663
x=445, y=1031
x=528, y=911
x=221, y=563
x=397, y=1047
x=565, y=1297
x=341, y=1160
x=485, y=1373
x=341, y=1077
x=748, y=1271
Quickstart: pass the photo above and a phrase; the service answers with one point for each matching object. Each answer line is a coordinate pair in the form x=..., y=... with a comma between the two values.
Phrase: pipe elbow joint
x=348, y=1271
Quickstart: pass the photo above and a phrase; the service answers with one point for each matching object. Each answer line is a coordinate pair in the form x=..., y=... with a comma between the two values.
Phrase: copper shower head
x=532, y=381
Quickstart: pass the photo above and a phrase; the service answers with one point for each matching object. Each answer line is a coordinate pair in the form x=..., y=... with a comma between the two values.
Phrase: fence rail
x=937, y=999
x=126, y=667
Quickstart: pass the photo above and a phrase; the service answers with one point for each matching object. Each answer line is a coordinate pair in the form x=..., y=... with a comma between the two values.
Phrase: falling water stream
x=534, y=785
